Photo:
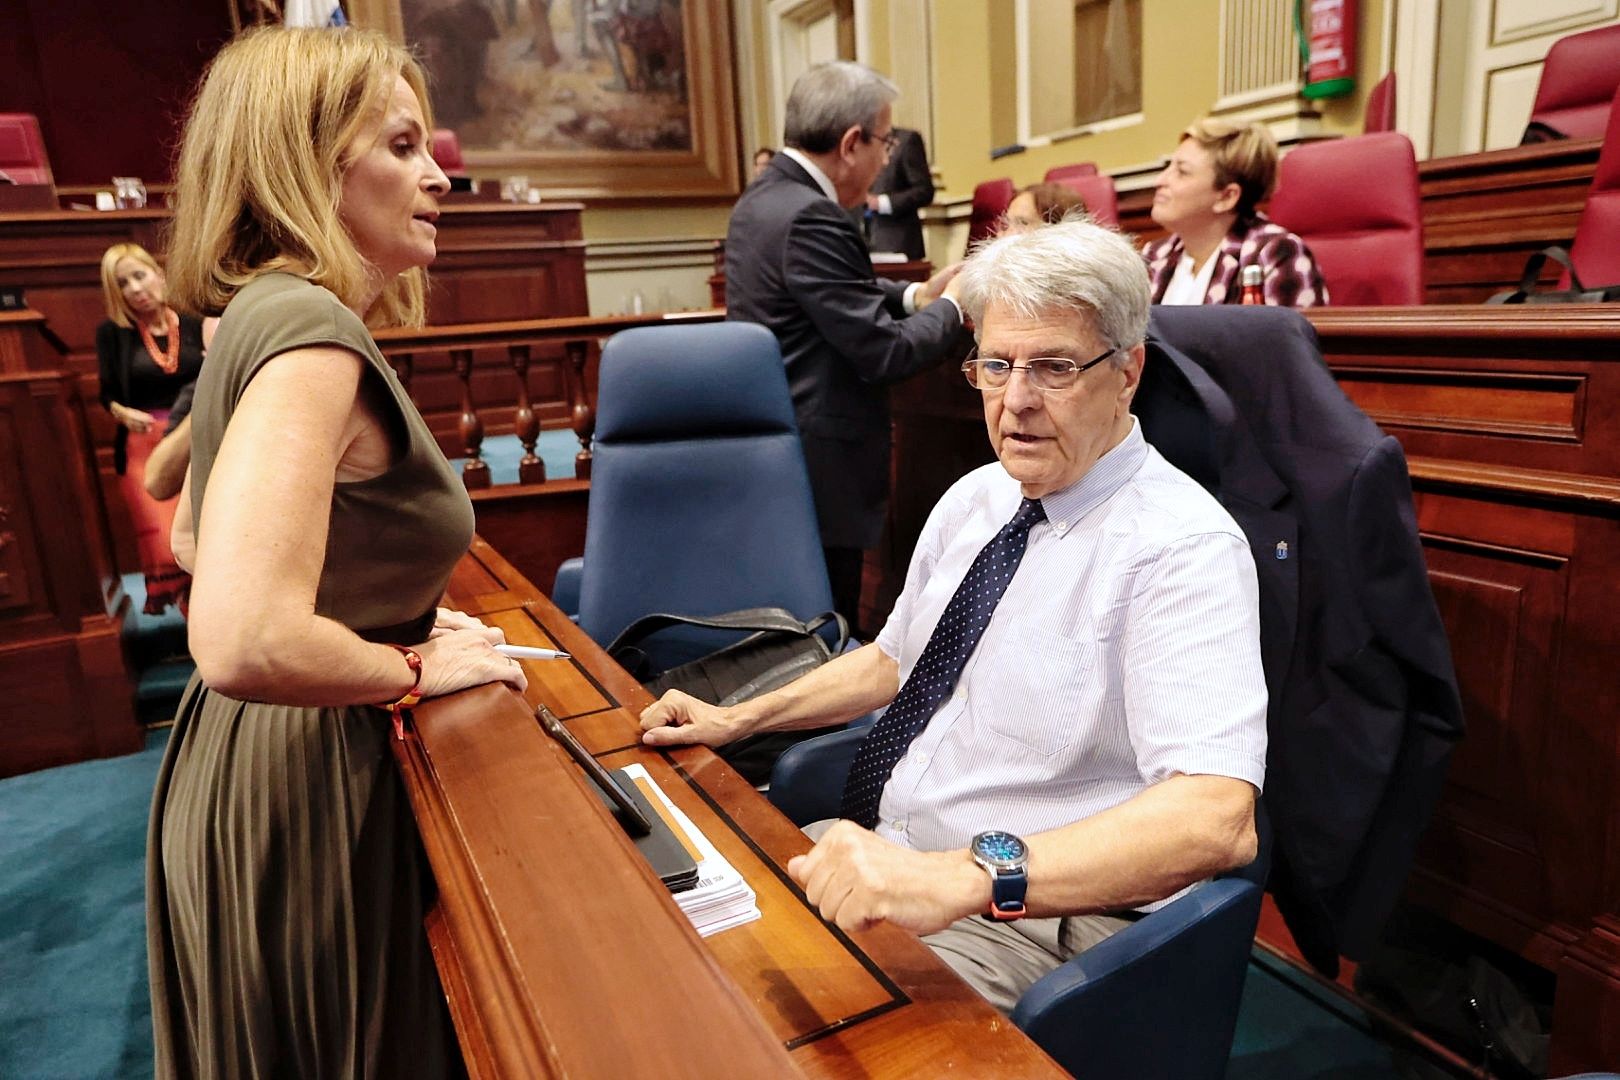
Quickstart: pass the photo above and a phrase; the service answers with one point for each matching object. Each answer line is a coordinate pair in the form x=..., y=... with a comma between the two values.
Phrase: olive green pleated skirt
x=285, y=891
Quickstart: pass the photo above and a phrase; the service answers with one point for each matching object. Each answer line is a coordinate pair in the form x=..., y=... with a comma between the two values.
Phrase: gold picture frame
x=686, y=144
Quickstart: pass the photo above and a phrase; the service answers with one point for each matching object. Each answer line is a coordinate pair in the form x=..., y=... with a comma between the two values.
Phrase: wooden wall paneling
x=1484, y=214
x=110, y=83
x=1505, y=418
x=535, y=526
x=64, y=689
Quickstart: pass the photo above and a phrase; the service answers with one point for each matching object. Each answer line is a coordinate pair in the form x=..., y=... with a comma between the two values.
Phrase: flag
x=313, y=13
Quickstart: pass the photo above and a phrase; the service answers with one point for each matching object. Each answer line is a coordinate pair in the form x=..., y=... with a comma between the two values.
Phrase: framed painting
x=592, y=99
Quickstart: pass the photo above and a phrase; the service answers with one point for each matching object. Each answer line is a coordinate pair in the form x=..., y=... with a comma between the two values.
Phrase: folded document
x=721, y=899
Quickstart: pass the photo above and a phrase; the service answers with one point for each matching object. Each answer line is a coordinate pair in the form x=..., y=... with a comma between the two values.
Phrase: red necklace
x=169, y=362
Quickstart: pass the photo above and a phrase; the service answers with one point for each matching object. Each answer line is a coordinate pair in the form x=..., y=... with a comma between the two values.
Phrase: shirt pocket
x=1039, y=690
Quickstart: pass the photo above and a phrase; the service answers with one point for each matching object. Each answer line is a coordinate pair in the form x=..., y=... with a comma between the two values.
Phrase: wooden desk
x=563, y=955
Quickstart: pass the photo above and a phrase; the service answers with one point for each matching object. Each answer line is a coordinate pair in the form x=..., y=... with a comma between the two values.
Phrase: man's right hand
x=678, y=718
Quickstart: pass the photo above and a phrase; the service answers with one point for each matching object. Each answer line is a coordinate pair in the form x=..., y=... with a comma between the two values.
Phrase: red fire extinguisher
x=1327, y=41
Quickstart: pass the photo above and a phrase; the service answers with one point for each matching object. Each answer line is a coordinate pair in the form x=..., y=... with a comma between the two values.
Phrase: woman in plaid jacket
x=1206, y=197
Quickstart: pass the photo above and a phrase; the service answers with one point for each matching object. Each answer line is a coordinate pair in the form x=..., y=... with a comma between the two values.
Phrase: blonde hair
x=1244, y=154
x=261, y=166
x=118, y=309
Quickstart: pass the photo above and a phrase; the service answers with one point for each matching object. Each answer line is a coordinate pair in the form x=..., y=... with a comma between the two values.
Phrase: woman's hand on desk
x=448, y=619
x=857, y=879
x=678, y=719
x=459, y=658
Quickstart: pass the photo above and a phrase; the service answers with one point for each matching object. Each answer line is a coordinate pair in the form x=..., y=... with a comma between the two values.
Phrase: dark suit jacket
x=910, y=187
x=797, y=265
x=1364, y=706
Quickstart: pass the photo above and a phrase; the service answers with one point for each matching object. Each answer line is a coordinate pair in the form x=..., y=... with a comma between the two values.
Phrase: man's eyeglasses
x=889, y=141
x=1045, y=372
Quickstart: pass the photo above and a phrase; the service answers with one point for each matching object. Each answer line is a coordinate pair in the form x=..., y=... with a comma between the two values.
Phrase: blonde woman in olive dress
x=285, y=878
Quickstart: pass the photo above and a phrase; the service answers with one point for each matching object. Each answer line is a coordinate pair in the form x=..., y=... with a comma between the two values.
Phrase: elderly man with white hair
x=1075, y=725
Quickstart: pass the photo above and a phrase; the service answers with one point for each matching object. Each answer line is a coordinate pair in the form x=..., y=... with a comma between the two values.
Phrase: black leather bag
x=1576, y=293
x=778, y=649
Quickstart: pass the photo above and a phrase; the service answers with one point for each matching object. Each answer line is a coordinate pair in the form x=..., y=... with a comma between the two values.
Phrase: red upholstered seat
x=1060, y=174
x=1380, y=112
x=1102, y=201
x=1596, y=250
x=1577, y=80
x=22, y=149
x=447, y=151
x=1355, y=202
x=990, y=201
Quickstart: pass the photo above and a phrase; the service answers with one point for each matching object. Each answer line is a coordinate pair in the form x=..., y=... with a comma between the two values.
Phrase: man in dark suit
x=796, y=264
x=904, y=187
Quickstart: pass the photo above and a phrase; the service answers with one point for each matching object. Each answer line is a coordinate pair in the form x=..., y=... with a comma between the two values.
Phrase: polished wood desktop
x=563, y=955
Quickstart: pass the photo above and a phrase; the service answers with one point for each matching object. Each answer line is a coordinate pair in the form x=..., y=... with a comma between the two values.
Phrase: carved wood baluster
x=403, y=365
x=474, y=473
x=531, y=470
x=584, y=415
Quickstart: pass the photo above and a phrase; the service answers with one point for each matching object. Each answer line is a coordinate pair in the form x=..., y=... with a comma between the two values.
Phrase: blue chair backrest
x=700, y=503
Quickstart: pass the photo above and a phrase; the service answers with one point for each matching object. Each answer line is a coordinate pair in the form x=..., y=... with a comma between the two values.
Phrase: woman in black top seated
x=147, y=353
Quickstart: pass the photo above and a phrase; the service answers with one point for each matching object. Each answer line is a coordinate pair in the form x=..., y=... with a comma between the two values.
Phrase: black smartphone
x=634, y=819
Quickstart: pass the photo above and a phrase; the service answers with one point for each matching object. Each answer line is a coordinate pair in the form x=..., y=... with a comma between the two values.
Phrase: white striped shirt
x=1126, y=649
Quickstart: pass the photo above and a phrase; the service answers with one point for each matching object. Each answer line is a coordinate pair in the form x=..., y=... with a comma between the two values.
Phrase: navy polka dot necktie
x=955, y=637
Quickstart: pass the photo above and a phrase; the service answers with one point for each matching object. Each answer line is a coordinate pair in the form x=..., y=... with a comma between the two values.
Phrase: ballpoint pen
x=526, y=652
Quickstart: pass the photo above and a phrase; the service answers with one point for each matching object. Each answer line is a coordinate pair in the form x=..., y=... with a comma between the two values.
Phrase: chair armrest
x=1180, y=970
x=807, y=783
x=565, y=591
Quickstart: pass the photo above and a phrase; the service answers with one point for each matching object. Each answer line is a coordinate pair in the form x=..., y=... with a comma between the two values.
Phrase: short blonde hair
x=118, y=309
x=261, y=167
x=1244, y=154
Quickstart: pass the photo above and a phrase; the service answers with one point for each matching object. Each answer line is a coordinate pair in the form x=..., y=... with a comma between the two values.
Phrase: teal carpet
x=556, y=447
x=73, y=989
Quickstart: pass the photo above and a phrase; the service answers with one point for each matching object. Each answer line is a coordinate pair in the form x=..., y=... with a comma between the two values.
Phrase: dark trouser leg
x=844, y=575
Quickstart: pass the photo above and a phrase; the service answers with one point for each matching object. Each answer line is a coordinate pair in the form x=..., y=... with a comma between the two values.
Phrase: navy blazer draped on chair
x=1364, y=705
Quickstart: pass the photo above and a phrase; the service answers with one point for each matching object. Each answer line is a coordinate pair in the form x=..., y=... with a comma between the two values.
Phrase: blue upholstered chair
x=700, y=503
x=1158, y=999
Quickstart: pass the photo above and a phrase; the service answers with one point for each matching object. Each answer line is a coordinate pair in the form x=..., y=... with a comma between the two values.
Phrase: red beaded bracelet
x=413, y=695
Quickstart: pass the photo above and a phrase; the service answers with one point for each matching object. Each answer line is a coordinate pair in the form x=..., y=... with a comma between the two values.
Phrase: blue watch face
x=1001, y=848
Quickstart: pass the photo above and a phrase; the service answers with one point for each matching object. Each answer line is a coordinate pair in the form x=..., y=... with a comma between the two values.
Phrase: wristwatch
x=1006, y=858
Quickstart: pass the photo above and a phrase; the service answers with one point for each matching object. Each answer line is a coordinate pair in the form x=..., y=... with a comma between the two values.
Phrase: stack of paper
x=721, y=899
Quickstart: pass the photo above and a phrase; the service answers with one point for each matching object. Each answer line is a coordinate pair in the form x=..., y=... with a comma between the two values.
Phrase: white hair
x=1074, y=265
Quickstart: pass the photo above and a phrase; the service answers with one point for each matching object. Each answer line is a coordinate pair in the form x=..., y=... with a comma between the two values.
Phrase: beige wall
x=659, y=248
x=975, y=91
